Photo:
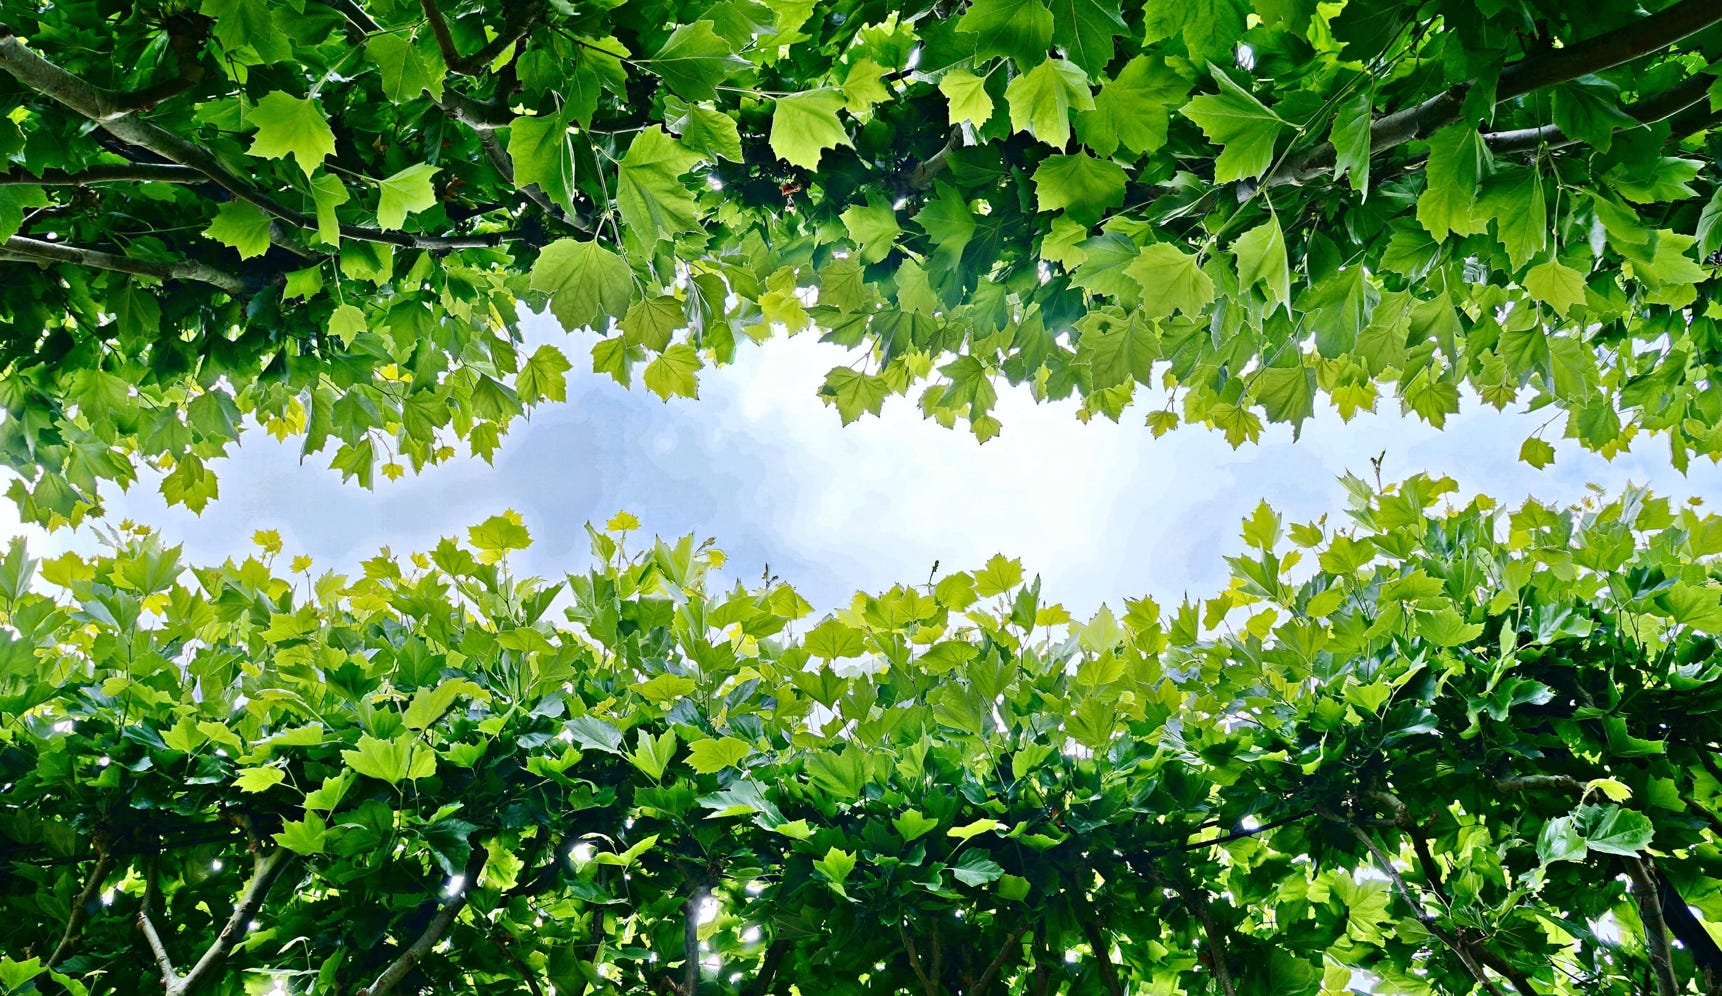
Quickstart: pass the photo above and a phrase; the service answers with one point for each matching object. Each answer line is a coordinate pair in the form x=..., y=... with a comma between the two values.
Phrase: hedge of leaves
x=1437, y=747
x=324, y=216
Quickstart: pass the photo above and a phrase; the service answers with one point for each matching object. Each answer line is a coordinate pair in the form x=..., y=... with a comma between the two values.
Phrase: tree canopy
x=1441, y=747
x=325, y=216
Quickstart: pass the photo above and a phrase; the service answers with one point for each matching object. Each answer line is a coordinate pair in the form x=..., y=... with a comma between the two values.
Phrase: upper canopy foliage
x=324, y=215
x=1445, y=746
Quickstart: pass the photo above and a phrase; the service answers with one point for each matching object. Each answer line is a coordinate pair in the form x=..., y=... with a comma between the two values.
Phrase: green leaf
x=1350, y=137
x=291, y=126
x=1588, y=110
x=968, y=97
x=912, y=825
x=1537, y=453
x=693, y=60
x=408, y=68
x=1131, y=111
x=404, y=193
x=654, y=202
x=711, y=756
x=674, y=373
x=1083, y=186
x=497, y=536
x=1001, y=574
x=1020, y=30
x=1613, y=830
x=587, y=283
x=1555, y=284
x=835, y=866
x=394, y=761
x=243, y=226
x=654, y=754
x=711, y=132
x=1171, y=281
x=974, y=829
x=804, y=125
x=539, y=149
x=855, y=393
x=832, y=640
x=1241, y=124
x=1458, y=161
x=328, y=193
x=259, y=779
x=1041, y=100
x=303, y=837
x=873, y=227
x=1515, y=200
x=543, y=377
x=1085, y=30
x=1286, y=394
x=1261, y=253
x=1561, y=841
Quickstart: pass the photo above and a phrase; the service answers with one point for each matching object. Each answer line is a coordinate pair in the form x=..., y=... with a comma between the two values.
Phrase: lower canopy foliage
x=324, y=216
x=1440, y=748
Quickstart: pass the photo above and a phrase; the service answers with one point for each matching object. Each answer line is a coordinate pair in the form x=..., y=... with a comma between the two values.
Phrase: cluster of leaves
x=1420, y=753
x=324, y=216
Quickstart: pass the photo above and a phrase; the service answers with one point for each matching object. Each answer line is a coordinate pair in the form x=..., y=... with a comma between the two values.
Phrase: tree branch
x=107, y=173
x=1536, y=783
x=691, y=940
x=1689, y=92
x=1199, y=906
x=1593, y=55
x=355, y=16
x=928, y=986
x=106, y=109
x=996, y=966
x=760, y=984
x=170, y=978
x=1655, y=928
x=1102, y=956
x=265, y=867
x=514, y=28
x=1428, y=920
x=87, y=895
x=18, y=247
x=409, y=959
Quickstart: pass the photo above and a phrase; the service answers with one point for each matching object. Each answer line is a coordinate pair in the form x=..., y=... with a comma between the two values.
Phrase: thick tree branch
x=1537, y=783
x=691, y=941
x=1605, y=51
x=107, y=173
x=928, y=985
x=170, y=978
x=1197, y=902
x=18, y=248
x=266, y=866
x=1655, y=927
x=1102, y=956
x=397, y=970
x=994, y=967
x=760, y=984
x=520, y=18
x=104, y=108
x=1653, y=33
x=86, y=896
x=1692, y=91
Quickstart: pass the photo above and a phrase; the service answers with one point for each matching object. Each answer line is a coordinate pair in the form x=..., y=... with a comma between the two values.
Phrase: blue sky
x=1101, y=511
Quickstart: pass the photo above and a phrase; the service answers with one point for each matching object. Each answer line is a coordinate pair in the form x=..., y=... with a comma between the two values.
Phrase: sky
x=1101, y=511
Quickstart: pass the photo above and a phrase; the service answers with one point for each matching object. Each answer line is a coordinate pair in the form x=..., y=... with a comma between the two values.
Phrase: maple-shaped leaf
x=291, y=126
x=404, y=193
x=587, y=283
x=804, y=125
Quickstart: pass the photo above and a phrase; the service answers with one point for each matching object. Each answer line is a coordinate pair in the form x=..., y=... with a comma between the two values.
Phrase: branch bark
x=1198, y=904
x=1692, y=91
x=1429, y=922
x=107, y=109
x=1102, y=956
x=928, y=985
x=691, y=942
x=107, y=173
x=519, y=20
x=20, y=248
x=760, y=984
x=397, y=970
x=87, y=895
x=1593, y=55
x=1655, y=927
x=266, y=866
x=994, y=967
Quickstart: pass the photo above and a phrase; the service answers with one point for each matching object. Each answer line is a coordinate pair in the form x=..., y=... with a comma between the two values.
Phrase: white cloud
x=1100, y=510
